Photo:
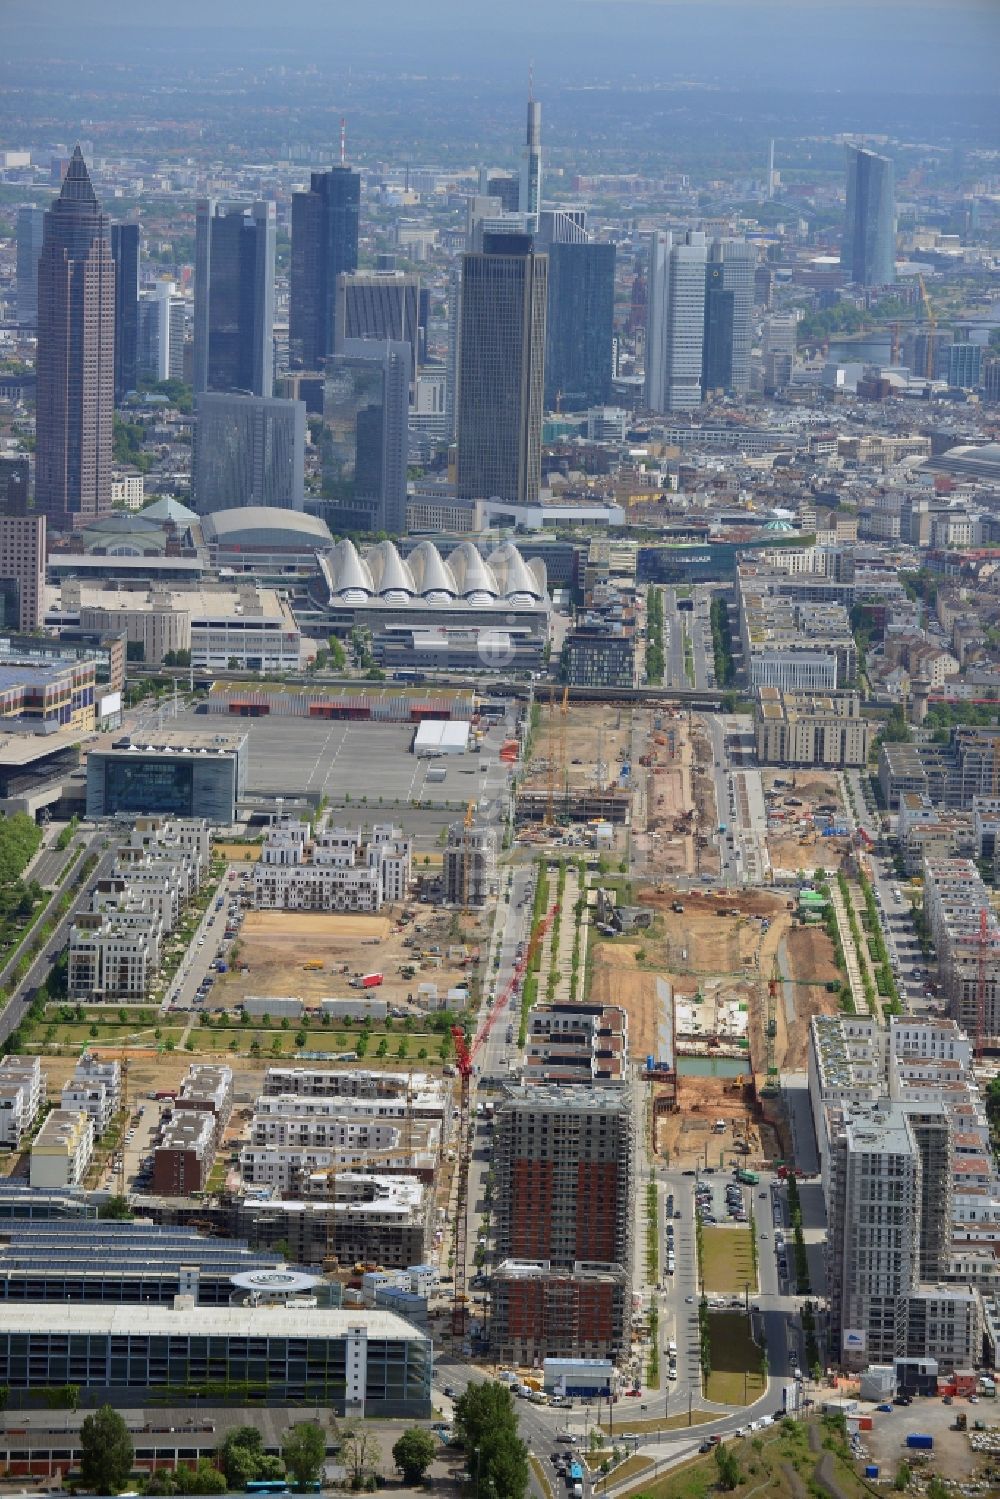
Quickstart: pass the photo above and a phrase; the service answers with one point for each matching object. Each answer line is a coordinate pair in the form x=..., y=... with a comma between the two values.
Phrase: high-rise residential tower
x=729, y=289
x=676, y=321
x=125, y=253
x=234, y=297
x=30, y=228
x=75, y=361
x=324, y=244
x=380, y=305
x=529, y=198
x=868, y=251
x=579, y=313
x=501, y=370
x=364, y=442
x=873, y=1245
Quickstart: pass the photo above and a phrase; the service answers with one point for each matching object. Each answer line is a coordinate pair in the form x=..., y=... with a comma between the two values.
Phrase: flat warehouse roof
x=203, y=1321
x=439, y=733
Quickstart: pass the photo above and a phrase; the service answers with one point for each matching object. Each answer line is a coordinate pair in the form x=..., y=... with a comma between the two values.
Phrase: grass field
x=779, y=1463
x=728, y=1259
x=673, y=1423
x=735, y=1378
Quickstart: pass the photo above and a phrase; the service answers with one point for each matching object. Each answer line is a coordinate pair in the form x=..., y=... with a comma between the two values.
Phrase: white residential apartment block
x=966, y=934
x=336, y=869
x=794, y=728
x=115, y=947
x=425, y=1097
x=94, y=1089
x=62, y=1149
x=22, y=1093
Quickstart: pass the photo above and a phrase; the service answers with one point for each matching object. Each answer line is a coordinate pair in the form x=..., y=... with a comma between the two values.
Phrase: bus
x=748, y=1178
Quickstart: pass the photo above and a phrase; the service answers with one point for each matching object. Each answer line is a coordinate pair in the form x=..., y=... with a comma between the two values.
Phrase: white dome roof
x=390, y=573
x=349, y=572
x=512, y=573
x=472, y=574
x=431, y=574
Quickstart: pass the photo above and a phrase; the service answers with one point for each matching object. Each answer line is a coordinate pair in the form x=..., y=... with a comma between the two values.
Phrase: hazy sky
x=895, y=45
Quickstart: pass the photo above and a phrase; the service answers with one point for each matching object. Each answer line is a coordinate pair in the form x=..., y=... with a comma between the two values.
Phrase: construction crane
x=465, y=1054
x=470, y=813
x=932, y=330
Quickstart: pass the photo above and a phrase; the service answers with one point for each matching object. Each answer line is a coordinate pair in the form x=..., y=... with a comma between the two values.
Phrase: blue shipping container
x=920, y=1439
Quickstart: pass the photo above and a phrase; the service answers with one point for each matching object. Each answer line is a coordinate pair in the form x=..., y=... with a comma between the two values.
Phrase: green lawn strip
x=736, y=1377
x=727, y=1256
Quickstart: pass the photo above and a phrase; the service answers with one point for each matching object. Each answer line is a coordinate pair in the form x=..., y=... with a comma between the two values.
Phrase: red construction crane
x=464, y=1057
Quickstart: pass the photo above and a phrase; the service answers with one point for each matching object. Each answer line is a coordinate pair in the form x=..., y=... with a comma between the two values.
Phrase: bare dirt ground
x=724, y=958
x=588, y=733
x=277, y=944
x=687, y=1137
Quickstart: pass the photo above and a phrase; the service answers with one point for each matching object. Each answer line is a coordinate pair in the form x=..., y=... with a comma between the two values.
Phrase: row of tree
x=108, y=1454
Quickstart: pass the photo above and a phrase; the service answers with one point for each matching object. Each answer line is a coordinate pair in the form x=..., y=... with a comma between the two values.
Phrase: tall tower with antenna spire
x=530, y=197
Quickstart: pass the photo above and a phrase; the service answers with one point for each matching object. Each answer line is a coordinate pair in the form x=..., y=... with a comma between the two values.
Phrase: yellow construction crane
x=563, y=724
x=932, y=330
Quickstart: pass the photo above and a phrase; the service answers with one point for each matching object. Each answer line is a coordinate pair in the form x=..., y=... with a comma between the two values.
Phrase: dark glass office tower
x=125, y=253
x=364, y=443
x=380, y=305
x=234, y=297
x=501, y=370
x=717, y=348
x=868, y=251
x=75, y=361
x=579, y=324
x=324, y=244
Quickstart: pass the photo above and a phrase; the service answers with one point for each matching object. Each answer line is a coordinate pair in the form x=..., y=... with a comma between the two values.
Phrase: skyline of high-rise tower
x=676, y=321
x=325, y=226
x=579, y=315
x=529, y=200
x=234, y=297
x=125, y=254
x=868, y=250
x=75, y=359
x=729, y=290
x=501, y=370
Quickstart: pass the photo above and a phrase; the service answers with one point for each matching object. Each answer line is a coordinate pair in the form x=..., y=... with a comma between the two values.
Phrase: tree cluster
x=486, y=1427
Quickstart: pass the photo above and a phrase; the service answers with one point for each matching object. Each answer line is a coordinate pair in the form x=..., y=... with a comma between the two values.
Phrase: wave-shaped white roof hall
x=465, y=577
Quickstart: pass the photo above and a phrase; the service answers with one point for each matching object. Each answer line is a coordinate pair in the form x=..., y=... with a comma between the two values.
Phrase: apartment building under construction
x=564, y=1161
x=966, y=934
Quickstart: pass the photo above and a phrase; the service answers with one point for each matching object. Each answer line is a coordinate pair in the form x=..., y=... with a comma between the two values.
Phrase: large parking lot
x=360, y=768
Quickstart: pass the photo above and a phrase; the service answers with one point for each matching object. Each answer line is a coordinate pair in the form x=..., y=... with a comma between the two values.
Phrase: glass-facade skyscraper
x=234, y=297
x=125, y=253
x=324, y=244
x=75, y=361
x=868, y=252
x=676, y=321
x=365, y=433
x=501, y=370
x=579, y=313
x=248, y=450
x=729, y=290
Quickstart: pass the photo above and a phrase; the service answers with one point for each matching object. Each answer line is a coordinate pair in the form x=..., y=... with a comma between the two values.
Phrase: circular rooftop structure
x=275, y=1285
